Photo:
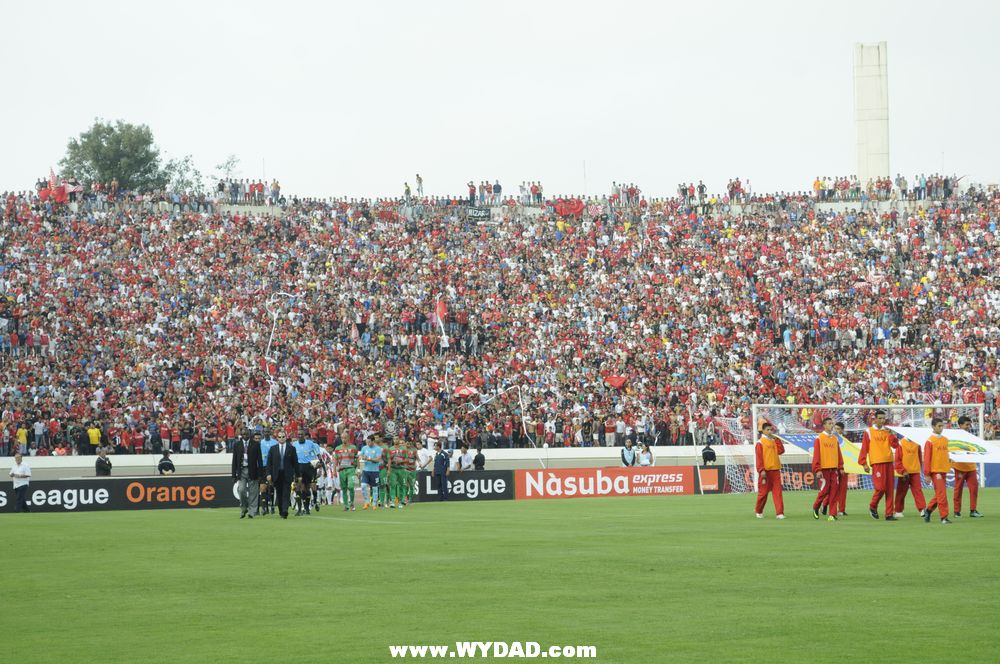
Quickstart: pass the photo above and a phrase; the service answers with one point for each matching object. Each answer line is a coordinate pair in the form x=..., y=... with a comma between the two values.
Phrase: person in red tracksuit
x=877, y=446
x=965, y=475
x=768, y=453
x=908, y=466
x=828, y=462
x=842, y=502
x=937, y=465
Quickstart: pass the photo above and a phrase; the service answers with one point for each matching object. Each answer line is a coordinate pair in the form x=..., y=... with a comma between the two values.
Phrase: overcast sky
x=354, y=98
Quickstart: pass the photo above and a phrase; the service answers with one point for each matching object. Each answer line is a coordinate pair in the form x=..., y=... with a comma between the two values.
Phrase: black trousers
x=442, y=487
x=21, y=499
x=282, y=488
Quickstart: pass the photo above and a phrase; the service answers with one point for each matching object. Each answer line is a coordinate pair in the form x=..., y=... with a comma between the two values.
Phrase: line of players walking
x=885, y=457
x=273, y=474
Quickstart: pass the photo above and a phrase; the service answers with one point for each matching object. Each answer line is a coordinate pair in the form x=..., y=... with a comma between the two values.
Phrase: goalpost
x=801, y=422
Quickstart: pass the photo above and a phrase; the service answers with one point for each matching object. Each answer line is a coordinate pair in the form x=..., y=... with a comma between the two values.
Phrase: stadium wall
x=144, y=465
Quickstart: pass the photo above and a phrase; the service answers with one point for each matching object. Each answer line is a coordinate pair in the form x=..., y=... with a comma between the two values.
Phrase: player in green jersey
x=346, y=458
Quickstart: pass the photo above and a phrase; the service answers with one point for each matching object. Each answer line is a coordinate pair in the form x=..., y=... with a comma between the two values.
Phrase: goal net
x=798, y=425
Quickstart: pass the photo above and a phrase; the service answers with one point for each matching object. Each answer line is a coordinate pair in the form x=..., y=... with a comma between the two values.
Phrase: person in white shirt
x=645, y=456
x=465, y=459
x=425, y=459
x=21, y=474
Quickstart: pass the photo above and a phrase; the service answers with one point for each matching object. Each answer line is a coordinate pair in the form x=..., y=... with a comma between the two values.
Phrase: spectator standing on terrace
x=103, y=464
x=20, y=473
x=465, y=459
x=165, y=466
x=94, y=438
x=628, y=455
x=187, y=436
x=425, y=459
x=420, y=185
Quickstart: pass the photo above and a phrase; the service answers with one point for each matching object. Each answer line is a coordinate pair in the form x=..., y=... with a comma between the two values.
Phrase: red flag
x=441, y=309
x=52, y=178
x=465, y=391
x=615, y=381
x=569, y=207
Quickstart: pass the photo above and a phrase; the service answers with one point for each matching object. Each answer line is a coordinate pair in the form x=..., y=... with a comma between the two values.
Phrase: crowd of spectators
x=138, y=325
x=922, y=187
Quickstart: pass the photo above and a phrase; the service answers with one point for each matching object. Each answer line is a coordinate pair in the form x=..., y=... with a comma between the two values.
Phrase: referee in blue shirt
x=307, y=452
x=266, y=490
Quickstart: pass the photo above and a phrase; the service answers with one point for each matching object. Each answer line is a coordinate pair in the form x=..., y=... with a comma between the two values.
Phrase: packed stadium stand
x=562, y=321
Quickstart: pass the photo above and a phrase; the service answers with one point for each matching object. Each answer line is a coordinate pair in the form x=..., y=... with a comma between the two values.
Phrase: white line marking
x=349, y=519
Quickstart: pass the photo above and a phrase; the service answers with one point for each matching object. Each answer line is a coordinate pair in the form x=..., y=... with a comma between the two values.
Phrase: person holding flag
x=937, y=465
x=346, y=459
x=877, y=446
x=828, y=462
x=768, y=453
x=965, y=475
x=908, y=467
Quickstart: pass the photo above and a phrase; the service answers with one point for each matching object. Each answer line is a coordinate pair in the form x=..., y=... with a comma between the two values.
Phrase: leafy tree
x=228, y=168
x=183, y=175
x=119, y=150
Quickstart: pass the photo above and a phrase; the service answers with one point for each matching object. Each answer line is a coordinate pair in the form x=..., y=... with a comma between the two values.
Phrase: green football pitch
x=660, y=579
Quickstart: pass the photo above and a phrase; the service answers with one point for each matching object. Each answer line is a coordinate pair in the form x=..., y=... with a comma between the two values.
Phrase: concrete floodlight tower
x=871, y=110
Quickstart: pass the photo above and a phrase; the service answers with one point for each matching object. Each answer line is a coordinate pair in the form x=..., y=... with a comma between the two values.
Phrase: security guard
x=442, y=466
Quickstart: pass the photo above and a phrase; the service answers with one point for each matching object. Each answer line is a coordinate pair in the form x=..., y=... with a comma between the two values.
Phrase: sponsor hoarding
x=113, y=493
x=708, y=480
x=794, y=477
x=471, y=485
x=597, y=482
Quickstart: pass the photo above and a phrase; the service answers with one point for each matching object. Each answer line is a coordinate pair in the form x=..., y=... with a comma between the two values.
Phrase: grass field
x=657, y=579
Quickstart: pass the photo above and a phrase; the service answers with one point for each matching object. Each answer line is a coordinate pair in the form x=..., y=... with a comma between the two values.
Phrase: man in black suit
x=246, y=462
x=282, y=462
x=103, y=464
